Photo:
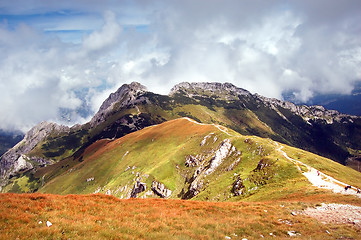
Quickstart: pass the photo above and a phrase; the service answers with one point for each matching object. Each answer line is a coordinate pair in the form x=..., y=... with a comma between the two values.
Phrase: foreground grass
x=106, y=217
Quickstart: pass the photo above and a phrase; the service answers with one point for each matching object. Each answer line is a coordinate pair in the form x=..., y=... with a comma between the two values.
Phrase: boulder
x=159, y=189
x=138, y=188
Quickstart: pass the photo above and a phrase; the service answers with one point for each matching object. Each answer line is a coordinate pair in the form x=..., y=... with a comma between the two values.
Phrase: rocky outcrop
x=22, y=163
x=207, y=167
x=192, y=161
x=138, y=188
x=224, y=149
x=159, y=189
x=263, y=164
x=226, y=91
x=126, y=95
x=15, y=159
x=132, y=108
x=306, y=112
x=264, y=171
x=235, y=163
x=238, y=187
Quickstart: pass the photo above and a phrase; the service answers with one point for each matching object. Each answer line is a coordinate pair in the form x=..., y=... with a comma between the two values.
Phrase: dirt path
x=319, y=179
x=220, y=128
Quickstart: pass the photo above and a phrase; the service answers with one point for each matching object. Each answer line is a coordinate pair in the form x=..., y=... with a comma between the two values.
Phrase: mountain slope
x=131, y=108
x=183, y=159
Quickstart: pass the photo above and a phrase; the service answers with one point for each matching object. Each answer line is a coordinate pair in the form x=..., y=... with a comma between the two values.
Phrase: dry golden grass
x=106, y=217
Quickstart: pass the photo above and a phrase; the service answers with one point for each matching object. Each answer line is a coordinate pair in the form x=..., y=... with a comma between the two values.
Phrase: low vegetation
x=25, y=216
x=254, y=171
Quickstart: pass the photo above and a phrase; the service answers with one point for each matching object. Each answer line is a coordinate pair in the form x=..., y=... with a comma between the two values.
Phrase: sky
x=59, y=60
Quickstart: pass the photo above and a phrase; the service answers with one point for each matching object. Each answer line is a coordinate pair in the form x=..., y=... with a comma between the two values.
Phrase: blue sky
x=67, y=56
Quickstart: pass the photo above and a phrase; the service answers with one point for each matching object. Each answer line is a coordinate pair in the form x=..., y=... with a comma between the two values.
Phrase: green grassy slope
x=158, y=153
x=247, y=115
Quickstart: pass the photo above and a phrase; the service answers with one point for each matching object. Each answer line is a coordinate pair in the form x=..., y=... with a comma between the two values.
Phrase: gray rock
x=306, y=112
x=293, y=233
x=238, y=187
x=226, y=91
x=48, y=224
x=126, y=95
x=15, y=160
x=192, y=161
x=222, y=152
x=159, y=189
x=138, y=188
x=219, y=156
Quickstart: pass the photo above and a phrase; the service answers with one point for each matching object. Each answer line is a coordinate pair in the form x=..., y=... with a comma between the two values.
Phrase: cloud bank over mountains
x=61, y=59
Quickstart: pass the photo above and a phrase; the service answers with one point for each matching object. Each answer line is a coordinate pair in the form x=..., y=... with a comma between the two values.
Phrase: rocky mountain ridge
x=226, y=91
x=126, y=95
x=308, y=112
x=132, y=108
x=15, y=159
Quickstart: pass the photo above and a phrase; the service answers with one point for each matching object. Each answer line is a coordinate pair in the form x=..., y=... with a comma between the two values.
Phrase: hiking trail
x=318, y=178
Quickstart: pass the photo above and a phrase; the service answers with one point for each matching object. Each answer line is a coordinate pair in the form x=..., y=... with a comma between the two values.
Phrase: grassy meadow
x=158, y=153
x=105, y=217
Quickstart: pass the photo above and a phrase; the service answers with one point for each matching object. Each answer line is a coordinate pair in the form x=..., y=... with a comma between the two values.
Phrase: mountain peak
x=208, y=88
x=125, y=95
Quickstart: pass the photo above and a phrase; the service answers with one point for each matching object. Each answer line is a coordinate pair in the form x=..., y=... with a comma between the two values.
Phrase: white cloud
x=39, y=75
x=268, y=47
x=107, y=37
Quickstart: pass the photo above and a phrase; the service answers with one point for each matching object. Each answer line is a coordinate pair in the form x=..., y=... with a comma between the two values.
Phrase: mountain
x=245, y=187
x=182, y=159
x=348, y=104
x=132, y=108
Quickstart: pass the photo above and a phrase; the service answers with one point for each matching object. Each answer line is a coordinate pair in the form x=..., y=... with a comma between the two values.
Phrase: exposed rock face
x=192, y=161
x=14, y=160
x=159, y=189
x=262, y=164
x=231, y=167
x=222, y=90
x=238, y=187
x=228, y=91
x=126, y=95
x=224, y=150
x=138, y=188
x=22, y=163
x=263, y=172
x=306, y=112
x=311, y=128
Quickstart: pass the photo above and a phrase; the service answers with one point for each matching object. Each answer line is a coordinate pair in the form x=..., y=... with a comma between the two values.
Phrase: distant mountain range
x=50, y=150
x=348, y=104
